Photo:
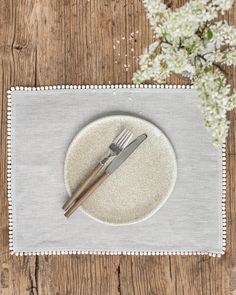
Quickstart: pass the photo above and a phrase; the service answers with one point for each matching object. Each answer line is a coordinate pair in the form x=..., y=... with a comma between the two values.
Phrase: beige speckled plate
x=139, y=187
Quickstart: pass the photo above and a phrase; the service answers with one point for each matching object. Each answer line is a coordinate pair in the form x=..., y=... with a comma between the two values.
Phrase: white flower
x=232, y=101
x=191, y=43
x=157, y=11
x=227, y=57
x=223, y=34
x=215, y=102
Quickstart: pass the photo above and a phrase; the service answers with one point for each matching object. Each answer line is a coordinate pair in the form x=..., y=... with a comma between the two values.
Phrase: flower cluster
x=192, y=43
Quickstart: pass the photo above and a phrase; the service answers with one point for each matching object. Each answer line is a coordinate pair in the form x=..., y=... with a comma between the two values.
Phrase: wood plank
x=17, y=57
x=78, y=274
x=71, y=42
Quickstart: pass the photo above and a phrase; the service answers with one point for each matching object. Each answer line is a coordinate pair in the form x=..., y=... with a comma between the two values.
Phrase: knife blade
x=124, y=155
x=121, y=158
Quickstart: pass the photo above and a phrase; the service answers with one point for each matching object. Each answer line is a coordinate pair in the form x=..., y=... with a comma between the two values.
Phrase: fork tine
x=128, y=140
x=125, y=139
x=119, y=136
x=122, y=136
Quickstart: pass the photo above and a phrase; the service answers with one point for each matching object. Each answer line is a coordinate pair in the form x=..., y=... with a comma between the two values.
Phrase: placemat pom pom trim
x=75, y=252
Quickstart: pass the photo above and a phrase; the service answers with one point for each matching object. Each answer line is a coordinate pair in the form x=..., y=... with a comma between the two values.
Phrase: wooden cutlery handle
x=82, y=187
x=88, y=193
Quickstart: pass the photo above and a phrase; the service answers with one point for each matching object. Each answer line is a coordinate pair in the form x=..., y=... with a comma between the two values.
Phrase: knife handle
x=88, y=193
x=82, y=187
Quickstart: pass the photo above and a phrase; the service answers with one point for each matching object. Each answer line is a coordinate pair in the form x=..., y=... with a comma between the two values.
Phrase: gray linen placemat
x=42, y=124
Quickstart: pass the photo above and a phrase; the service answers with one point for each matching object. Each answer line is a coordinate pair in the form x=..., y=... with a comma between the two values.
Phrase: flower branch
x=193, y=44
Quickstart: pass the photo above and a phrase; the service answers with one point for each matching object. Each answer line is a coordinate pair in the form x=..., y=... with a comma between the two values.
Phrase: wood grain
x=71, y=42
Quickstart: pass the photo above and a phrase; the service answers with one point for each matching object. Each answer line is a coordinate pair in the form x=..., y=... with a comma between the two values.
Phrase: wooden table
x=46, y=42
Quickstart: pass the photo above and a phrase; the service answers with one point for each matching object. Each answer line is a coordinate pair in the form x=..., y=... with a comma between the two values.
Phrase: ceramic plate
x=142, y=183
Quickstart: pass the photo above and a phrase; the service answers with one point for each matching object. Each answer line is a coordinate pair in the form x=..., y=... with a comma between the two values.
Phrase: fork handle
x=88, y=193
x=82, y=187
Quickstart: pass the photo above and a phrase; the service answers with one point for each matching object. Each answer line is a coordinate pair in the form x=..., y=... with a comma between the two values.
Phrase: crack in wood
x=32, y=287
x=170, y=268
x=118, y=274
x=36, y=273
x=35, y=67
x=33, y=278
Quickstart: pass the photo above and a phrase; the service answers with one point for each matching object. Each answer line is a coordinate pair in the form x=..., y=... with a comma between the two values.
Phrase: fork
x=118, y=144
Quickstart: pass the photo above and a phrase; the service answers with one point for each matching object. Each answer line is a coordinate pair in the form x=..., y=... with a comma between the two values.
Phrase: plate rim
x=173, y=182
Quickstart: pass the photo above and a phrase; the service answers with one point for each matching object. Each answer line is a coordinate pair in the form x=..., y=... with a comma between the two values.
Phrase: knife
x=124, y=155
